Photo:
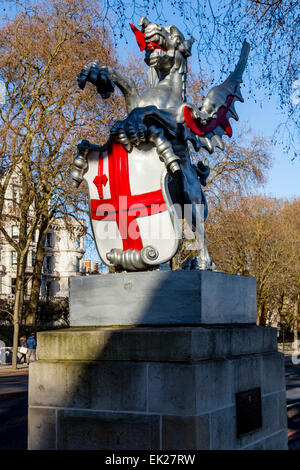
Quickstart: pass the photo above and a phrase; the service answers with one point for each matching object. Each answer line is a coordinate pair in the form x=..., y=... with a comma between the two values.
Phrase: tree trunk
x=259, y=311
x=263, y=315
x=18, y=306
x=32, y=307
x=282, y=308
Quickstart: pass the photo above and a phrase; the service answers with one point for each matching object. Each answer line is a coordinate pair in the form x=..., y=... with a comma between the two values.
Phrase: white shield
x=130, y=204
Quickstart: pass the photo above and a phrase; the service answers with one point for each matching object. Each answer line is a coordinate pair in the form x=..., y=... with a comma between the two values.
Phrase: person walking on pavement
x=31, y=345
x=23, y=350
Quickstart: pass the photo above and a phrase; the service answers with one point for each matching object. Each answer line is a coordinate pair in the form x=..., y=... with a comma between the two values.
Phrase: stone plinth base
x=162, y=388
x=162, y=298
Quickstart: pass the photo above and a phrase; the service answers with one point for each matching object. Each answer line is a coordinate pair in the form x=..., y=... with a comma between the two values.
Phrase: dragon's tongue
x=152, y=45
x=140, y=38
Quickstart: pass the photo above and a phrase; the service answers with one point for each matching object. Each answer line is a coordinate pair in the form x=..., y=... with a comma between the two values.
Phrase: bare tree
x=257, y=236
x=42, y=50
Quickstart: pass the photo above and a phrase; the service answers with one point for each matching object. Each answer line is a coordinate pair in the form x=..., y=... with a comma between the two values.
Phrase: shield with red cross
x=130, y=205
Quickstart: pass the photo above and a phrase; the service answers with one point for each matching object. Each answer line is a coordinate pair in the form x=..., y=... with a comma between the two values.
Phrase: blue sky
x=284, y=177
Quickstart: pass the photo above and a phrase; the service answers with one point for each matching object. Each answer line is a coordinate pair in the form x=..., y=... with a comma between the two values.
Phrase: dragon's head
x=165, y=47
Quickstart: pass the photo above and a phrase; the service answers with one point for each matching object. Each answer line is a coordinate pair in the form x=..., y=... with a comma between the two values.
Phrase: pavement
x=292, y=379
x=7, y=368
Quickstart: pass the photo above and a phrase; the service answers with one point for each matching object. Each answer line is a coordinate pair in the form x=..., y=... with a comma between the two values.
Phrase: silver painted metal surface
x=161, y=116
x=133, y=260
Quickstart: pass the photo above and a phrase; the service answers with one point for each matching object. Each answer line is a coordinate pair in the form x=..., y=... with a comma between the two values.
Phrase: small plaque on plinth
x=248, y=411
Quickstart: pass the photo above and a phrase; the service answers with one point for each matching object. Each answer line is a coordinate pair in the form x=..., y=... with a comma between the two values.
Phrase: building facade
x=64, y=251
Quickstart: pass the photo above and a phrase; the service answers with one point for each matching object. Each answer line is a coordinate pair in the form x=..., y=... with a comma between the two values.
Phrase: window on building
x=14, y=258
x=14, y=196
x=43, y=286
x=77, y=264
x=48, y=263
x=26, y=286
x=15, y=232
x=13, y=285
x=48, y=289
x=49, y=239
x=33, y=256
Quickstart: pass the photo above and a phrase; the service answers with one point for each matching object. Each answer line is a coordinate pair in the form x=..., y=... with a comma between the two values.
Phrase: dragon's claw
x=98, y=76
x=132, y=131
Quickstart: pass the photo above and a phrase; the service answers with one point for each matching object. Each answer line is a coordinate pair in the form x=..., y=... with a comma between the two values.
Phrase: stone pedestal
x=162, y=298
x=159, y=361
x=155, y=388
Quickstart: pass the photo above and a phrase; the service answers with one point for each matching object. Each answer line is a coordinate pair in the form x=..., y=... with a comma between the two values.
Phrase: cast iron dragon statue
x=162, y=116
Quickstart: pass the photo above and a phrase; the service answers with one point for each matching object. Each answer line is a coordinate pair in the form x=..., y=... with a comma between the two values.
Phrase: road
x=13, y=410
x=13, y=382
x=292, y=379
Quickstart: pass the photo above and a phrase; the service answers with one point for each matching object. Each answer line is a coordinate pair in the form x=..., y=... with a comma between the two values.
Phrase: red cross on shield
x=129, y=193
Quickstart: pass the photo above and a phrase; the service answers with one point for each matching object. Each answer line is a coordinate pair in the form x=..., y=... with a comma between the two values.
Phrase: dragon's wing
x=207, y=125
